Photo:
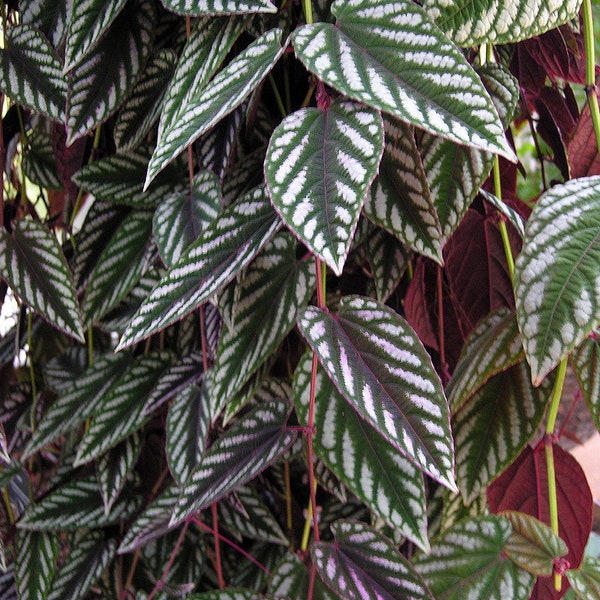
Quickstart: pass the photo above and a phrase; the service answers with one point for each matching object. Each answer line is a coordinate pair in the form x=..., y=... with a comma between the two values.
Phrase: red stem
x=160, y=583
x=215, y=531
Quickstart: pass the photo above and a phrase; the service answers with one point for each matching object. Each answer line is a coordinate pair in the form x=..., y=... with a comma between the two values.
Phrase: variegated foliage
x=232, y=232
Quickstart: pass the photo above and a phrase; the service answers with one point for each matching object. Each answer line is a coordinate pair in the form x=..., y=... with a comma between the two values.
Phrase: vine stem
x=590, y=68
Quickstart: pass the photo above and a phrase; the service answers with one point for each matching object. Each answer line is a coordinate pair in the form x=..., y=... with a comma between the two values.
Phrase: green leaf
x=229, y=88
x=369, y=465
x=39, y=162
x=89, y=21
x=225, y=247
x=218, y=7
x=586, y=362
x=533, y=546
x=470, y=23
x=318, y=168
x=400, y=200
x=494, y=425
x=143, y=105
x=291, y=580
x=468, y=561
x=38, y=273
x=32, y=72
x=272, y=290
x=362, y=564
x=187, y=431
x=585, y=581
x=386, y=54
x=35, y=563
x=119, y=179
x=50, y=17
x=113, y=468
x=556, y=274
x=95, y=94
x=381, y=368
x=75, y=505
x=493, y=346
x=230, y=594
x=120, y=266
x=240, y=454
x=81, y=400
x=121, y=411
x=514, y=218
x=84, y=565
x=179, y=220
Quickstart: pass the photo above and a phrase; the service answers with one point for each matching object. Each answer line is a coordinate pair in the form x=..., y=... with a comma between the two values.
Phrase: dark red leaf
x=529, y=73
x=524, y=487
x=69, y=159
x=582, y=150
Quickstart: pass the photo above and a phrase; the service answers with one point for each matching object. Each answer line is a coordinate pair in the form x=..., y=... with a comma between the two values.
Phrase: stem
x=277, y=95
x=215, y=531
x=95, y=145
x=129, y=581
x=2, y=158
x=308, y=12
x=288, y=499
x=442, y=342
x=590, y=68
x=31, y=373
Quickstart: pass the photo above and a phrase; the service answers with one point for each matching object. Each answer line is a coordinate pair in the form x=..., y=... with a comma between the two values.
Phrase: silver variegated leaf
x=35, y=563
x=121, y=412
x=245, y=449
x=225, y=92
x=493, y=425
x=119, y=179
x=142, y=108
x=493, y=346
x=187, y=431
x=318, y=168
x=39, y=162
x=470, y=23
x=152, y=523
x=373, y=469
x=76, y=505
x=386, y=54
x=36, y=270
x=513, y=217
x=362, y=564
x=557, y=280
x=83, y=566
x=4, y=454
x=120, y=266
x=503, y=87
x=95, y=94
x=231, y=594
x=272, y=290
x=454, y=509
x=219, y=7
x=381, y=368
x=89, y=21
x=585, y=581
x=223, y=249
x=399, y=199
x=179, y=220
x=586, y=363
x=113, y=468
x=468, y=561
x=51, y=18
x=290, y=579
x=32, y=72
x=81, y=400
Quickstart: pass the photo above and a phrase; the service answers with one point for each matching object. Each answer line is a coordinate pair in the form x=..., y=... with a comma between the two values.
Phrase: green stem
x=31, y=372
x=590, y=68
x=308, y=12
x=277, y=95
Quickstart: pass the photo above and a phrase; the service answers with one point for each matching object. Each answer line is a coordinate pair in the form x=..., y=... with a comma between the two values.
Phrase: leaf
x=381, y=368
x=586, y=581
x=89, y=21
x=556, y=274
x=400, y=200
x=230, y=594
x=50, y=17
x=225, y=247
x=511, y=214
x=291, y=580
x=119, y=179
x=468, y=561
x=81, y=400
x=586, y=363
x=38, y=273
x=386, y=54
x=470, y=23
x=113, y=468
x=120, y=266
x=121, y=412
x=582, y=152
x=179, y=220
x=32, y=72
x=143, y=105
x=75, y=505
x=318, y=168
x=225, y=93
x=240, y=454
x=217, y=7
x=39, y=162
x=95, y=94
x=272, y=290
x=84, y=565
x=533, y=546
x=362, y=564
x=390, y=485
x=492, y=347
x=187, y=431
x=35, y=563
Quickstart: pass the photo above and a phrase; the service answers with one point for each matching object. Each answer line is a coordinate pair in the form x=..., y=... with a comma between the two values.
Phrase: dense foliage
x=297, y=288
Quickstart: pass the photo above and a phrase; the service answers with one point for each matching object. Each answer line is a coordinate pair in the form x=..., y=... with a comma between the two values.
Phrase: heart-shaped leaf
x=218, y=7
x=586, y=580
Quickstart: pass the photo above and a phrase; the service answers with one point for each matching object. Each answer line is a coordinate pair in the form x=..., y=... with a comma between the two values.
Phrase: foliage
x=271, y=339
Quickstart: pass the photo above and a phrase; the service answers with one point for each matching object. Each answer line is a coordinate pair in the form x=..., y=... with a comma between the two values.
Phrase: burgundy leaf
x=582, y=150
